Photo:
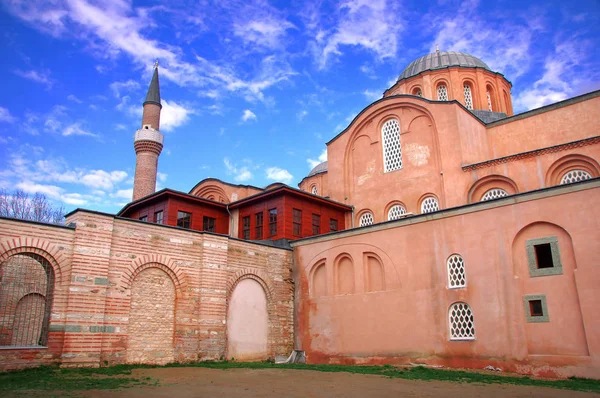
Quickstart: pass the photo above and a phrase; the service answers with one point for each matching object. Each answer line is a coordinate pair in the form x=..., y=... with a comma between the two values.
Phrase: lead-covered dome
x=440, y=60
x=320, y=168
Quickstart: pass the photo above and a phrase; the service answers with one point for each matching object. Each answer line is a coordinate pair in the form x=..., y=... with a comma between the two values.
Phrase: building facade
x=443, y=229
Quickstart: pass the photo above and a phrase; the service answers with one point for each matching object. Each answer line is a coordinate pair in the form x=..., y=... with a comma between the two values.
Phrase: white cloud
x=42, y=77
x=123, y=194
x=267, y=32
x=118, y=88
x=76, y=129
x=240, y=173
x=5, y=116
x=322, y=158
x=372, y=95
x=50, y=190
x=248, y=115
x=162, y=177
x=101, y=179
x=280, y=175
x=301, y=114
x=73, y=98
x=173, y=115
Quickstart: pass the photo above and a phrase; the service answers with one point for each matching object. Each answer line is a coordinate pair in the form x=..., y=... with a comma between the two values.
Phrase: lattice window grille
x=457, y=276
x=418, y=93
x=314, y=190
x=429, y=205
x=462, y=323
x=489, y=100
x=494, y=193
x=396, y=212
x=392, y=150
x=26, y=291
x=365, y=219
x=575, y=176
x=442, y=92
x=468, y=97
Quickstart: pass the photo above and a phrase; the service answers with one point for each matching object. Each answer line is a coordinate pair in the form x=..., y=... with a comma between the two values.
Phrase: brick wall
x=123, y=287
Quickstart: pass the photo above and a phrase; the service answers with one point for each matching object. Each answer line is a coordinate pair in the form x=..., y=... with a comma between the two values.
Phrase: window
x=313, y=190
x=208, y=224
x=246, y=227
x=297, y=222
x=396, y=212
x=543, y=256
x=184, y=219
x=417, y=91
x=144, y=218
x=259, y=225
x=392, y=151
x=316, y=224
x=272, y=222
x=442, y=92
x=575, y=176
x=494, y=193
x=489, y=100
x=462, y=322
x=456, y=272
x=333, y=225
x=468, y=97
x=365, y=219
x=158, y=217
x=536, y=308
x=429, y=205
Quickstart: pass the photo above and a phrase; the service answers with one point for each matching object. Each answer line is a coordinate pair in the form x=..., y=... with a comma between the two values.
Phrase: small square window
x=333, y=225
x=208, y=224
x=158, y=217
x=144, y=218
x=536, y=308
x=184, y=219
x=543, y=256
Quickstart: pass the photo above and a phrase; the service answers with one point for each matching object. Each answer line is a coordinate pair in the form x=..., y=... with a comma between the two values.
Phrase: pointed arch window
x=468, y=97
x=365, y=219
x=442, y=92
x=392, y=149
x=396, y=212
x=461, y=321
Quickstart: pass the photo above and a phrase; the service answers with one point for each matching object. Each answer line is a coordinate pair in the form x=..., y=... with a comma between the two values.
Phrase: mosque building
x=443, y=230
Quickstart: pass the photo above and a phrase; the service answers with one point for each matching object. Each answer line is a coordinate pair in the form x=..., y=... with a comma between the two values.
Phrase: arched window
x=392, y=150
x=365, y=219
x=575, y=176
x=489, y=100
x=461, y=321
x=396, y=212
x=457, y=276
x=494, y=193
x=417, y=91
x=26, y=289
x=468, y=97
x=313, y=190
x=429, y=205
x=442, y=92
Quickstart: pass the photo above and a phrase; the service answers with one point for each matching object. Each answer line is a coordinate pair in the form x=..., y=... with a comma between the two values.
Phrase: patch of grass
x=114, y=377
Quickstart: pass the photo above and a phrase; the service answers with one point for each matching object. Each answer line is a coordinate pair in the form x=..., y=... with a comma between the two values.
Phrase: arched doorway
x=247, y=322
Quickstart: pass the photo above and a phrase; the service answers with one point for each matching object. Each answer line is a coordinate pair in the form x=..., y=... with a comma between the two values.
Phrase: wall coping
x=45, y=224
x=455, y=211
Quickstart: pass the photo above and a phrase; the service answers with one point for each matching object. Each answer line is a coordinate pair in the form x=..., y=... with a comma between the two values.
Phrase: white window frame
x=468, y=97
x=390, y=137
x=401, y=211
x=442, y=94
x=427, y=200
x=584, y=176
x=494, y=193
x=453, y=263
x=463, y=336
x=364, y=221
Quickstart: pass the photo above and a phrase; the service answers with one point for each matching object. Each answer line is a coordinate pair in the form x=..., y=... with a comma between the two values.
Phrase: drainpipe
x=230, y=218
x=352, y=222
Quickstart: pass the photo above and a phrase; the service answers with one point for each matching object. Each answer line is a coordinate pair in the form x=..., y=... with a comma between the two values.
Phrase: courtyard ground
x=268, y=380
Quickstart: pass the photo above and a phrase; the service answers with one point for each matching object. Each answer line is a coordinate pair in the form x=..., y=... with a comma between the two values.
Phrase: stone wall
x=128, y=291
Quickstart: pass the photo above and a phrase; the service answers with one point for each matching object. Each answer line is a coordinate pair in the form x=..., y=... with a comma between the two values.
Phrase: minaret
x=148, y=142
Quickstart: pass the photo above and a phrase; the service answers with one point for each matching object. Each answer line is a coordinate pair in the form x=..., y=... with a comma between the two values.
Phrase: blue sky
x=251, y=90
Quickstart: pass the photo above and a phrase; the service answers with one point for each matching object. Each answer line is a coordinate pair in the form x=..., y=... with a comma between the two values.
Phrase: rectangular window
x=272, y=222
x=536, y=308
x=543, y=256
x=158, y=217
x=184, y=219
x=259, y=225
x=246, y=227
x=144, y=218
x=316, y=224
x=333, y=225
x=208, y=224
x=297, y=222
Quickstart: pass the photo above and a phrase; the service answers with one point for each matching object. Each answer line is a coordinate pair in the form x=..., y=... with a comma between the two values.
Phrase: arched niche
x=485, y=184
x=318, y=280
x=570, y=163
x=344, y=274
x=374, y=272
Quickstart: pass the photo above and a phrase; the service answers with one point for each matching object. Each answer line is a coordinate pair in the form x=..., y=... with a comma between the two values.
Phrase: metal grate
x=314, y=190
x=442, y=92
x=494, y=193
x=575, y=176
x=396, y=212
x=26, y=290
x=456, y=272
x=365, y=219
x=429, y=205
x=468, y=97
x=392, y=150
x=462, y=323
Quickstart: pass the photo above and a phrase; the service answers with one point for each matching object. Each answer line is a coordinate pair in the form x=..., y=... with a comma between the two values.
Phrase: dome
x=320, y=168
x=440, y=60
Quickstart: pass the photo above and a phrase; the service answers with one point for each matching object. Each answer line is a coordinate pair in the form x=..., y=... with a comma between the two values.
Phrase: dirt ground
x=201, y=382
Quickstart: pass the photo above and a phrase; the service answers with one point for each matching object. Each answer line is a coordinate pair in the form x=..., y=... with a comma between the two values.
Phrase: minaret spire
x=148, y=142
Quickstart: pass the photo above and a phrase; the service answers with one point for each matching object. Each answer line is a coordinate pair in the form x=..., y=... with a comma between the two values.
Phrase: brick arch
x=40, y=247
x=156, y=261
x=258, y=276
